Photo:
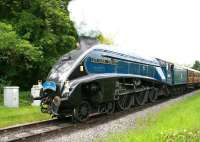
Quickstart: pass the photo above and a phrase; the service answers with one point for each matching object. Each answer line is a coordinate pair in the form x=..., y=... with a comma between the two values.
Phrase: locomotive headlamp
x=81, y=68
x=67, y=86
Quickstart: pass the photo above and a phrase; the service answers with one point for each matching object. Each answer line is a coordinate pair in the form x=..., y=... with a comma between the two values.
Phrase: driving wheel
x=124, y=102
x=82, y=111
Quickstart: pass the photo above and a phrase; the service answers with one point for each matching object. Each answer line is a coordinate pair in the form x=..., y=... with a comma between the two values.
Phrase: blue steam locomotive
x=104, y=78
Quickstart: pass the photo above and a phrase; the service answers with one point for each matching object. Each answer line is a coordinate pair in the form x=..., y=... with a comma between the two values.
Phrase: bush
x=16, y=56
x=2, y=84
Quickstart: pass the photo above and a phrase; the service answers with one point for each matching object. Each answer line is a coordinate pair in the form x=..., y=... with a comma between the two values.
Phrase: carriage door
x=169, y=69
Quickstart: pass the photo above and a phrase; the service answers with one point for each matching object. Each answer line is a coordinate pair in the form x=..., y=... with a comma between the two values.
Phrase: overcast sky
x=167, y=29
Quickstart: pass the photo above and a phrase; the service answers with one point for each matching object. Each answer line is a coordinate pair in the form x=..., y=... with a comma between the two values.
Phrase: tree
x=34, y=34
x=17, y=55
x=196, y=65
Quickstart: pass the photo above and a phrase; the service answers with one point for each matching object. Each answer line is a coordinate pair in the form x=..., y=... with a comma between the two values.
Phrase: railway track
x=34, y=131
x=28, y=131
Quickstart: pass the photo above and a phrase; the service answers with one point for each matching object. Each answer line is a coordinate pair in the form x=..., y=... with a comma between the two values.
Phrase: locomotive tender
x=104, y=78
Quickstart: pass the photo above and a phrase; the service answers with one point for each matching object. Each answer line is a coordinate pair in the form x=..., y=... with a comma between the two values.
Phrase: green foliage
x=25, y=98
x=17, y=55
x=3, y=83
x=34, y=34
x=104, y=40
x=1, y=99
x=196, y=65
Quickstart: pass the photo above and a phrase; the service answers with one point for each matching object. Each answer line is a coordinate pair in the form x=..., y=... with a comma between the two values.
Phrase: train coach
x=193, y=77
x=104, y=79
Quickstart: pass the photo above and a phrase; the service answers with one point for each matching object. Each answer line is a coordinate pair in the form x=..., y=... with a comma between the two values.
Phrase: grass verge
x=179, y=122
x=24, y=114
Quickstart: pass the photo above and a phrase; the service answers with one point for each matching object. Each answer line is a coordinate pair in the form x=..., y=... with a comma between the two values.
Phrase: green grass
x=24, y=114
x=179, y=122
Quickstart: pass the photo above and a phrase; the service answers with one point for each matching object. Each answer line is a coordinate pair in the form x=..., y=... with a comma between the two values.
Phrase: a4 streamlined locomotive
x=103, y=79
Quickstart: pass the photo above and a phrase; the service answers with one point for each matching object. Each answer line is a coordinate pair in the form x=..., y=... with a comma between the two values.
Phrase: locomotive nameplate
x=103, y=61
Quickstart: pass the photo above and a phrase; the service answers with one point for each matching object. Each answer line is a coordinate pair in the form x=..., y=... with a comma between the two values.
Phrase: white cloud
x=166, y=29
